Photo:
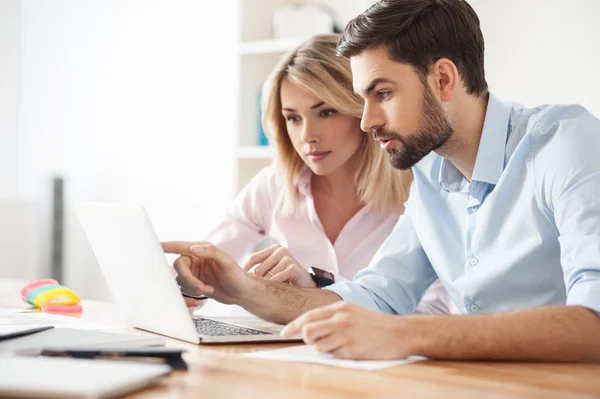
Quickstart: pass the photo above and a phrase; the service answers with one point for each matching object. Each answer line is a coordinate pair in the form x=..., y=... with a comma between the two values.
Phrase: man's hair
x=420, y=32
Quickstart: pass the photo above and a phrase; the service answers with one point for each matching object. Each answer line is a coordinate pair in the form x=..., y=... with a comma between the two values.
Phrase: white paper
x=58, y=321
x=308, y=354
x=9, y=311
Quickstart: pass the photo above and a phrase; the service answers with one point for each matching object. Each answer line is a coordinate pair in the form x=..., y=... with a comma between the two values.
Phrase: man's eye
x=382, y=95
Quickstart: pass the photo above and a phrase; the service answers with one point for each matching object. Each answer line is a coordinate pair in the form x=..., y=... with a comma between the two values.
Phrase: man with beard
x=504, y=209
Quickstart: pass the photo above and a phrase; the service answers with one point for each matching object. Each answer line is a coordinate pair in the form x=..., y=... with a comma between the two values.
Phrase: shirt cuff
x=352, y=292
x=586, y=294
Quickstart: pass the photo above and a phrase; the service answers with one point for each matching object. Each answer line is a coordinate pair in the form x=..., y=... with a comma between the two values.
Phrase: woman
x=331, y=198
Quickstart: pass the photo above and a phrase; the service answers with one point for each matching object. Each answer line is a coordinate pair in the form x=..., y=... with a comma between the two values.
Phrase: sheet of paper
x=308, y=354
x=58, y=321
x=9, y=311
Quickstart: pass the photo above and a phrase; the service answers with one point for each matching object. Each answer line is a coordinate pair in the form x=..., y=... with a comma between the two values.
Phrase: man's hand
x=206, y=270
x=277, y=263
x=547, y=334
x=349, y=331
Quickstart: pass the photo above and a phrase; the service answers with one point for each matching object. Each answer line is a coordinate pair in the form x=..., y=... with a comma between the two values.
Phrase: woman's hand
x=277, y=264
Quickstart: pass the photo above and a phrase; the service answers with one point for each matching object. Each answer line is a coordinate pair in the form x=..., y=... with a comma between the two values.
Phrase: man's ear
x=444, y=78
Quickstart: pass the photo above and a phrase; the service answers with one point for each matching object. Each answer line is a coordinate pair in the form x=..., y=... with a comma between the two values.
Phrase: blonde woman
x=331, y=197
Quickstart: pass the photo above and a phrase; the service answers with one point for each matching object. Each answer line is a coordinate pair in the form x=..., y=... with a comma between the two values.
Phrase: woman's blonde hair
x=315, y=67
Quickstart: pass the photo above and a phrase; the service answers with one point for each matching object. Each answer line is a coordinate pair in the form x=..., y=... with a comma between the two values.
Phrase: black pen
x=198, y=297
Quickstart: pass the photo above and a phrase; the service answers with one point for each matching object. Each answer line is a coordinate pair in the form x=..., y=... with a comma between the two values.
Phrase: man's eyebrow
x=376, y=82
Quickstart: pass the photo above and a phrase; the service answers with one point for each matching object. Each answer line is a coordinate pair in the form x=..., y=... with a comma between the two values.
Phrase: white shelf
x=256, y=152
x=257, y=55
x=269, y=46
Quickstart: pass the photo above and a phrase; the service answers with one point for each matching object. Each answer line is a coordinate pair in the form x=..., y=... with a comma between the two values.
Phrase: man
x=504, y=209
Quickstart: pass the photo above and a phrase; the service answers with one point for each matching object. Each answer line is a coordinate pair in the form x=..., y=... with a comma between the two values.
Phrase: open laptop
x=144, y=285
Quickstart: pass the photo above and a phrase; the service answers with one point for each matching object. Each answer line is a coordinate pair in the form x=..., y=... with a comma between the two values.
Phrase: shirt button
x=474, y=308
x=473, y=261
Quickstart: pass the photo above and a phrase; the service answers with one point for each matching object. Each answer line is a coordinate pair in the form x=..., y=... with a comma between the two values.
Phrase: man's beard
x=433, y=133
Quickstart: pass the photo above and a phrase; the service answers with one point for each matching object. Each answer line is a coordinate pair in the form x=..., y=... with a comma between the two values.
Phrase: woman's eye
x=327, y=112
x=382, y=95
x=293, y=118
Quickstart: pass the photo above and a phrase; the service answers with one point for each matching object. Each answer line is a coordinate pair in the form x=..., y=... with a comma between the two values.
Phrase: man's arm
x=281, y=303
x=567, y=173
x=557, y=333
x=207, y=270
x=394, y=283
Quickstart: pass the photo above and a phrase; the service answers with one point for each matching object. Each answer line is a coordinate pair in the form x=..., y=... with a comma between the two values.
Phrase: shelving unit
x=259, y=52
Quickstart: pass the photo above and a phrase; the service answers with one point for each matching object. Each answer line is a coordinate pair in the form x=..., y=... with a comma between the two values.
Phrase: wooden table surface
x=217, y=372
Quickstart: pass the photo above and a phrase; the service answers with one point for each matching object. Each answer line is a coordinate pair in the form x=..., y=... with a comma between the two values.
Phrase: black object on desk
x=172, y=357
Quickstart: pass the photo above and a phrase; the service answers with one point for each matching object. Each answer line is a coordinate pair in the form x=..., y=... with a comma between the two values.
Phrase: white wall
x=542, y=51
x=19, y=239
x=18, y=218
x=129, y=100
x=10, y=34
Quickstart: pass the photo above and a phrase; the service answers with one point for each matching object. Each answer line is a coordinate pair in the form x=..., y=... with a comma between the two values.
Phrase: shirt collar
x=489, y=163
x=302, y=181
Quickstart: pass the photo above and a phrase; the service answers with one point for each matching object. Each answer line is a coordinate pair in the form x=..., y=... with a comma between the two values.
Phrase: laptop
x=143, y=283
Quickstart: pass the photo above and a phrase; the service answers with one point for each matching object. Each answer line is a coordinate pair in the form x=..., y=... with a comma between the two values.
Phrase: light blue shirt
x=525, y=231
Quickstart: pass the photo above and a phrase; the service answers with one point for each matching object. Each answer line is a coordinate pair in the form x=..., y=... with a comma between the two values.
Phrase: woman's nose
x=308, y=134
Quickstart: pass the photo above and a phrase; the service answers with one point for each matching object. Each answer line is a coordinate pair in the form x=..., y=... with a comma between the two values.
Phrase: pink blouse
x=255, y=214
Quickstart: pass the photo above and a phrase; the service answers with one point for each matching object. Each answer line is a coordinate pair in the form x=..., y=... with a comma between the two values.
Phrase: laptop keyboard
x=209, y=327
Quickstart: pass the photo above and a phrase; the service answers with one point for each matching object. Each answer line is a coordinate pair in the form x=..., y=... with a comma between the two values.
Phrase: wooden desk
x=216, y=372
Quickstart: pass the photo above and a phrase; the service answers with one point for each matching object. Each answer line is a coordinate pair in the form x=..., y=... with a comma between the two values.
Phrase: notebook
x=42, y=377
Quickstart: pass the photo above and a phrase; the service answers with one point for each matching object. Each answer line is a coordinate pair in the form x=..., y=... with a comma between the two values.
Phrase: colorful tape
x=50, y=296
x=31, y=295
x=56, y=296
x=62, y=309
x=36, y=284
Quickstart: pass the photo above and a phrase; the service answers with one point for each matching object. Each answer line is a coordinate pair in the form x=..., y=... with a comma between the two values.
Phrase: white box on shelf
x=298, y=20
